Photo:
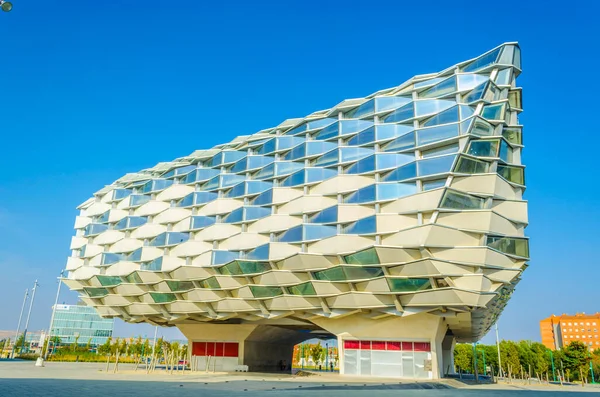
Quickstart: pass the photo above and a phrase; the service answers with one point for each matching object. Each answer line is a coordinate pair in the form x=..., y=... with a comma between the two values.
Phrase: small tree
x=315, y=353
x=106, y=348
x=136, y=349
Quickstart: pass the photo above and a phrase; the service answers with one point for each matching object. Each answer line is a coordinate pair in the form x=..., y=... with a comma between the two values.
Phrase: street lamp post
x=498, y=346
x=35, y=285
x=12, y=354
x=475, y=369
x=52, y=317
x=553, y=369
x=327, y=357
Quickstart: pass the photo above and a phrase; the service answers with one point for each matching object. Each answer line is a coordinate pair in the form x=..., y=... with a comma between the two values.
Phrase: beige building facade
x=394, y=223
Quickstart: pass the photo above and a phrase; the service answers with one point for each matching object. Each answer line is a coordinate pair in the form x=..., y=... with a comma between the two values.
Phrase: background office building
x=82, y=324
x=559, y=331
x=393, y=223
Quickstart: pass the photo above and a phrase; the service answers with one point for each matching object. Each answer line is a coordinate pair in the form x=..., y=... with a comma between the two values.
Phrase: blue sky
x=93, y=90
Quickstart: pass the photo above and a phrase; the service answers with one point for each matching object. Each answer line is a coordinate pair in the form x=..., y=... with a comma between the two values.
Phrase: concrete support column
x=448, y=345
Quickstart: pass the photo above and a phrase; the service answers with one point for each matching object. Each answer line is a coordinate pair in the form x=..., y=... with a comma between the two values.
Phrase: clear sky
x=92, y=90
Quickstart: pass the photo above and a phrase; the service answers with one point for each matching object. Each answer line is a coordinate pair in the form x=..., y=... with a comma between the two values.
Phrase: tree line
x=526, y=359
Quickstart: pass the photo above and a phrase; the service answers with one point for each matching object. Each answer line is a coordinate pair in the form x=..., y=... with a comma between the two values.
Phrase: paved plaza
x=22, y=378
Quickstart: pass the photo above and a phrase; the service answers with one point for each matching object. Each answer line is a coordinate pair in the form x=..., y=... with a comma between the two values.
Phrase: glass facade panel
x=178, y=286
x=362, y=226
x=487, y=148
x=81, y=324
x=483, y=61
x=435, y=165
x=509, y=245
x=434, y=134
x=265, y=292
x=163, y=297
x=366, y=257
x=302, y=289
x=462, y=201
x=512, y=174
x=408, y=284
x=466, y=165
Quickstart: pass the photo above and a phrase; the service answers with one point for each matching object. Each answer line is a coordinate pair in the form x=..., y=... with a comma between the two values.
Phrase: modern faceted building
x=393, y=222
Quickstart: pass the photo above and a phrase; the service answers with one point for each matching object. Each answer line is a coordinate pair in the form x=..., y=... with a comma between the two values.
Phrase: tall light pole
x=35, y=285
x=52, y=317
x=12, y=354
x=498, y=345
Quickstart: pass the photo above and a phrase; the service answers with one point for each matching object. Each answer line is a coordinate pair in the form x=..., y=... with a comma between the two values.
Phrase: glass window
x=263, y=198
x=452, y=148
x=153, y=266
x=302, y=289
x=462, y=201
x=484, y=148
x=328, y=215
x=409, y=284
x=509, y=245
x=348, y=273
x=362, y=226
x=94, y=228
x=506, y=152
x=482, y=128
x=109, y=281
x=390, y=102
x=94, y=292
x=292, y=235
x=366, y=257
x=504, y=77
x=363, y=195
x=425, y=83
x=494, y=112
x=318, y=232
x=471, y=166
x=110, y=258
x=483, y=61
x=404, y=113
x=435, y=134
x=220, y=257
x=470, y=81
x=512, y=135
x=134, y=278
x=354, y=153
x=260, y=253
x=443, y=88
x=200, y=222
x=430, y=185
x=476, y=94
x=445, y=117
x=364, y=109
x=435, y=165
x=240, y=267
x=119, y=194
x=430, y=106
x=512, y=174
x=177, y=286
x=265, y=292
x=163, y=297
x=402, y=143
x=391, y=191
x=329, y=158
x=210, y=283
x=330, y=131
x=402, y=173
x=234, y=216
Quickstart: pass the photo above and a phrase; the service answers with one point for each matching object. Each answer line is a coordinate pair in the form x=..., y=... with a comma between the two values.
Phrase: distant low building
x=559, y=331
x=81, y=323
